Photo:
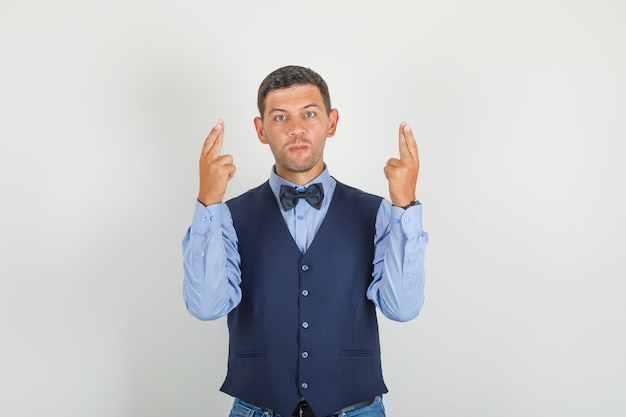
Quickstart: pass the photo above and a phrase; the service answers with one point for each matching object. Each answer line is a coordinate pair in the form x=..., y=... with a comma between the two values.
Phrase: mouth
x=298, y=147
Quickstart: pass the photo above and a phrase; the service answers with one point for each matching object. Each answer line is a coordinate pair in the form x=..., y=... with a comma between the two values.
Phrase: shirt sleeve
x=397, y=287
x=212, y=276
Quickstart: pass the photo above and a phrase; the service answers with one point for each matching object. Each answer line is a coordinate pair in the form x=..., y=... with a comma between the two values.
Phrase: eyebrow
x=303, y=108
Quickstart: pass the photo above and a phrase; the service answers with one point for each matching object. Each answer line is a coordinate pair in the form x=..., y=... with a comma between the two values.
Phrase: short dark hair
x=290, y=76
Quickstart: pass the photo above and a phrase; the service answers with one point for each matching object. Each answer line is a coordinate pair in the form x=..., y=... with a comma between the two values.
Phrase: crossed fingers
x=213, y=143
x=407, y=144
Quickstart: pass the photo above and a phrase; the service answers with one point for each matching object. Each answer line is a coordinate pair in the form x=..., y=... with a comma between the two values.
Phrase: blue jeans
x=243, y=409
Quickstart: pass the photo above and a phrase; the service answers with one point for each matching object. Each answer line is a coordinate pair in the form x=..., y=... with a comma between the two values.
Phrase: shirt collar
x=324, y=178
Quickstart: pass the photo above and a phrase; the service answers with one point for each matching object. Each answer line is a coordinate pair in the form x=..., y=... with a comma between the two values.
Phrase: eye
x=309, y=114
x=280, y=118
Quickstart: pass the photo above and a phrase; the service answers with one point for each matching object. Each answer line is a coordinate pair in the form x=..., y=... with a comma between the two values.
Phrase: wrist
x=411, y=204
x=207, y=201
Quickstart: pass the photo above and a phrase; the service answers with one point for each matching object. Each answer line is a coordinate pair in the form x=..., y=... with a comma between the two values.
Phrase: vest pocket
x=250, y=354
x=353, y=352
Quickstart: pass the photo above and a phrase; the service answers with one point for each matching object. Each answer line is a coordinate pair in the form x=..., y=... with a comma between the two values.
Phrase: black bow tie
x=289, y=196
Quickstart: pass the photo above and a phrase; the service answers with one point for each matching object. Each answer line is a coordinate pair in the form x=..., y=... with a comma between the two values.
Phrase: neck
x=299, y=178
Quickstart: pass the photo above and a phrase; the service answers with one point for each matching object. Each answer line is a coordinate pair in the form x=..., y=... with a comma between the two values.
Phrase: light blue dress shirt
x=211, y=259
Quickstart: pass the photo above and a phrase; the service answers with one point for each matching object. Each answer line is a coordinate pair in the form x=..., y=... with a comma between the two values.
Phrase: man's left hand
x=402, y=173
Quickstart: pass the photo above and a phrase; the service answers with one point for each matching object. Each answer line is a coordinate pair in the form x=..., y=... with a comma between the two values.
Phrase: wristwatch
x=411, y=204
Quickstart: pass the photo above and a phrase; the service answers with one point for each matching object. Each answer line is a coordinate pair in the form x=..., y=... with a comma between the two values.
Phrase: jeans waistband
x=302, y=410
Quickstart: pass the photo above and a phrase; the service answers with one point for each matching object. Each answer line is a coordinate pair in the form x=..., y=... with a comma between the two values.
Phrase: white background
x=519, y=108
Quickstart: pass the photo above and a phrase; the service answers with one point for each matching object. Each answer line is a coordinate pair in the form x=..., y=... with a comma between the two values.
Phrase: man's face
x=295, y=126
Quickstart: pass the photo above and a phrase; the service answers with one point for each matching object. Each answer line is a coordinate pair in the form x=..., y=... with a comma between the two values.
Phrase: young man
x=301, y=262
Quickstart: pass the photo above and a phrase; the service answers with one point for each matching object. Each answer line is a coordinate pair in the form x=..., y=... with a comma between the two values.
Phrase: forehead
x=294, y=97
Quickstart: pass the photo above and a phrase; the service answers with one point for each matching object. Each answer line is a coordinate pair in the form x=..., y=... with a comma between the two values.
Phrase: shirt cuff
x=407, y=221
x=206, y=219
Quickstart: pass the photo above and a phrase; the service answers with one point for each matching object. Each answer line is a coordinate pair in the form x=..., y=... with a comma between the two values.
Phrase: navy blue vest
x=304, y=327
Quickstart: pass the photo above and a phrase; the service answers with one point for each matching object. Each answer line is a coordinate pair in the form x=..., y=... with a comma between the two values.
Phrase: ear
x=260, y=132
x=333, y=119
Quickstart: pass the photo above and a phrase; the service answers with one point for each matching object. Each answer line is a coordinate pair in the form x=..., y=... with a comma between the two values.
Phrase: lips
x=298, y=147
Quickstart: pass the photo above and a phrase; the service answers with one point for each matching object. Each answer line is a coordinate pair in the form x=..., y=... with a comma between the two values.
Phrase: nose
x=295, y=128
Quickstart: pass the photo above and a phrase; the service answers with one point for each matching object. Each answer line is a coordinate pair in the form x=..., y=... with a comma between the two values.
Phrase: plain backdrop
x=519, y=110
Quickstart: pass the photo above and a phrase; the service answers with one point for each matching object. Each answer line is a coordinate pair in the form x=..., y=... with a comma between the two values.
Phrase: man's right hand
x=215, y=169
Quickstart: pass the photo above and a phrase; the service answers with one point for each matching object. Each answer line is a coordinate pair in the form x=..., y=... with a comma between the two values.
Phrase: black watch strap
x=411, y=204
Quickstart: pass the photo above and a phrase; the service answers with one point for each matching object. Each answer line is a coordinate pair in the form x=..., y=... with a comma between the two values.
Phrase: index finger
x=213, y=142
x=408, y=145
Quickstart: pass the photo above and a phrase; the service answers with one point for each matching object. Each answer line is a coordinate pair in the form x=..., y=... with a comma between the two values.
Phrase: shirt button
x=212, y=218
x=305, y=324
x=396, y=221
x=305, y=292
x=203, y=218
x=304, y=385
x=305, y=355
x=300, y=217
x=407, y=220
x=305, y=267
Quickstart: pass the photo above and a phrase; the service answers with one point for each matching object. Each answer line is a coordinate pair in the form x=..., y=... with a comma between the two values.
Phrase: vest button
x=305, y=292
x=305, y=355
x=304, y=385
x=305, y=267
x=305, y=324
